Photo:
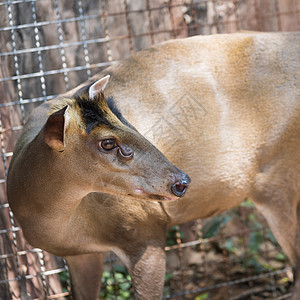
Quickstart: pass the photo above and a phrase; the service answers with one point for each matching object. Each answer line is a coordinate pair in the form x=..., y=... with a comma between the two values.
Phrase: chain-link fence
x=49, y=47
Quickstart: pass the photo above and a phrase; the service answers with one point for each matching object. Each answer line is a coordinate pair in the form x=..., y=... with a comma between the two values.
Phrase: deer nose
x=179, y=188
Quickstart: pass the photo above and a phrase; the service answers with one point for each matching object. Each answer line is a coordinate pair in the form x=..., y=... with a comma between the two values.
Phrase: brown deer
x=223, y=108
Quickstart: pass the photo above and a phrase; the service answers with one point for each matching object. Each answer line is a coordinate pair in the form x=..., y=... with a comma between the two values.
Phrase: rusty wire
x=190, y=23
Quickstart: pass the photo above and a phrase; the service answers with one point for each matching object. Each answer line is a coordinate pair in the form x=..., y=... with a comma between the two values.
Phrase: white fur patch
x=66, y=123
x=98, y=86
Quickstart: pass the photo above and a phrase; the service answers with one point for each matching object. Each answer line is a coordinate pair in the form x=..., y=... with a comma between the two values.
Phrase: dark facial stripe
x=92, y=112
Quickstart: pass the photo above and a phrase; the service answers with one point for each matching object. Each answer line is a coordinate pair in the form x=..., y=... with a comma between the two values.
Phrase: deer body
x=223, y=108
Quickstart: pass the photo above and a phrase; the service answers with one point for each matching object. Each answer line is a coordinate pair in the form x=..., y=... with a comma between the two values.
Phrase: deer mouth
x=156, y=197
x=162, y=198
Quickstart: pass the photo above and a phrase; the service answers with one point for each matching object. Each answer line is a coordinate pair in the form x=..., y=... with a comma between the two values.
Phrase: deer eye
x=108, y=144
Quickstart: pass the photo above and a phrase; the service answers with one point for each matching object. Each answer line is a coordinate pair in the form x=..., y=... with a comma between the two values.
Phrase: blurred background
x=50, y=46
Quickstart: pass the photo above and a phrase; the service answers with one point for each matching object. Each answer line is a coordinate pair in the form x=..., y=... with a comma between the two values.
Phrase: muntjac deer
x=223, y=108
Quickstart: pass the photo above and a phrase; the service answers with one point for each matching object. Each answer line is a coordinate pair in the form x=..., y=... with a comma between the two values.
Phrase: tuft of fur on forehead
x=89, y=113
x=93, y=112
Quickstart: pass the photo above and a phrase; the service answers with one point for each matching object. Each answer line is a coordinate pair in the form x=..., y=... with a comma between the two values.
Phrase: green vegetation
x=116, y=285
x=202, y=296
x=250, y=246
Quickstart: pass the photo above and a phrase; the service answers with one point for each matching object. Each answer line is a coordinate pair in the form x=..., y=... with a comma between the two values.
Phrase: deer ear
x=55, y=129
x=98, y=86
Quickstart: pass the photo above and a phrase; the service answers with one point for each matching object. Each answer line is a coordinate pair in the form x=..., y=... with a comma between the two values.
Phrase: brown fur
x=225, y=109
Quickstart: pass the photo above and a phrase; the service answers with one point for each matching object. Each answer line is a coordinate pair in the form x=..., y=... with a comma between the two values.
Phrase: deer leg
x=141, y=248
x=86, y=273
x=277, y=197
x=146, y=266
x=148, y=273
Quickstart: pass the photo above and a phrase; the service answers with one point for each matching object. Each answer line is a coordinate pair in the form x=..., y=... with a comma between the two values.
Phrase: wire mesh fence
x=49, y=47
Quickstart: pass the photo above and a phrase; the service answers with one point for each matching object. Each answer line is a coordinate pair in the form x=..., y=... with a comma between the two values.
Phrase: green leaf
x=247, y=203
x=119, y=276
x=253, y=262
x=125, y=286
x=281, y=257
x=229, y=245
x=255, y=239
x=120, y=269
x=168, y=276
x=271, y=237
x=202, y=297
x=213, y=226
x=253, y=222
